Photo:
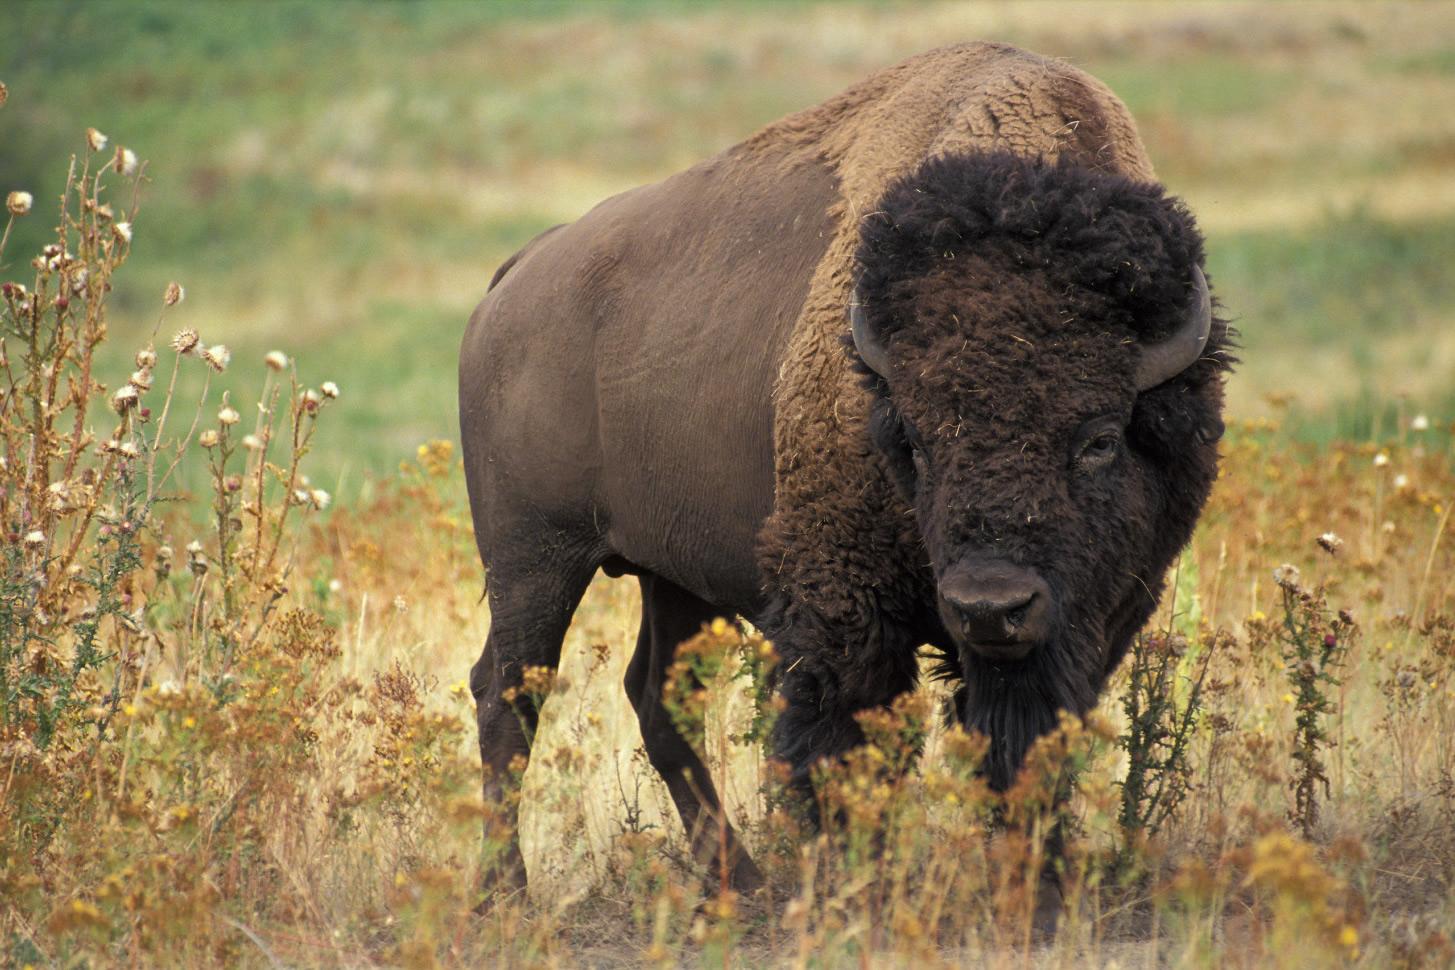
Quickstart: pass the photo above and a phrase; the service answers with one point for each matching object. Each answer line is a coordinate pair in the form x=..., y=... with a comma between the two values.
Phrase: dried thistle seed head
x=128, y=449
x=35, y=538
x=185, y=341
x=1330, y=543
x=19, y=203
x=122, y=231
x=196, y=560
x=125, y=161
x=174, y=294
x=1401, y=482
x=227, y=415
x=95, y=139
x=300, y=496
x=79, y=275
x=59, y=492
x=141, y=380
x=1287, y=577
x=217, y=357
x=146, y=358
x=252, y=442
x=1420, y=422
x=319, y=498
x=276, y=360
x=1381, y=460
x=125, y=399
x=208, y=439
x=330, y=390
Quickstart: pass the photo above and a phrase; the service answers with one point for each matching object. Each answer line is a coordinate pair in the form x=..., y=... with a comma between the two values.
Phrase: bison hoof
x=745, y=877
x=503, y=887
x=1050, y=902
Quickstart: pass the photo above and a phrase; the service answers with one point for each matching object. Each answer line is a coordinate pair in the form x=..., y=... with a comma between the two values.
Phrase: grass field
x=344, y=178
x=260, y=752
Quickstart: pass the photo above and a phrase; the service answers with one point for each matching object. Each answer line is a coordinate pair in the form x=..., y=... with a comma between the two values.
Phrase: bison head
x=1045, y=366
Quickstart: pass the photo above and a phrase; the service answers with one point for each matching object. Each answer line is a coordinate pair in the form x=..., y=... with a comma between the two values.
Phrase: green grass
x=1331, y=313
x=340, y=180
x=1205, y=86
x=1358, y=276
x=1441, y=60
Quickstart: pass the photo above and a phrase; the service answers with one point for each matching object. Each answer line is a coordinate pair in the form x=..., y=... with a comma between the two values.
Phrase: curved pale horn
x=874, y=354
x=1175, y=353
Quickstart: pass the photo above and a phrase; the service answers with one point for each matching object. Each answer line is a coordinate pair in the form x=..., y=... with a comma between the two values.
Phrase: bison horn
x=871, y=351
x=1175, y=353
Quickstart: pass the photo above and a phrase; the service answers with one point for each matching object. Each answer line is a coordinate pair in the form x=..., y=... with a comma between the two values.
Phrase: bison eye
x=1100, y=450
x=921, y=463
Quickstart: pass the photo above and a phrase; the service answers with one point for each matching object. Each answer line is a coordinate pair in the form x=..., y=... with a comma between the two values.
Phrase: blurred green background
x=339, y=180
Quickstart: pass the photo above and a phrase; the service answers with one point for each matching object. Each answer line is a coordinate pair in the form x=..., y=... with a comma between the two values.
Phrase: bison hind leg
x=531, y=606
x=671, y=615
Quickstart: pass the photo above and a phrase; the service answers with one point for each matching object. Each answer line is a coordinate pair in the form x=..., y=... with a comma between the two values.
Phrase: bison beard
x=1013, y=706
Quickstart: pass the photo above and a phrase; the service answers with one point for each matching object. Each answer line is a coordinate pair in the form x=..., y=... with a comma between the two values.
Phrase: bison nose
x=1001, y=611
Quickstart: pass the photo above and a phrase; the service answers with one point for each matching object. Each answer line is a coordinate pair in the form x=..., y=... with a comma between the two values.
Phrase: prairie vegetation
x=235, y=626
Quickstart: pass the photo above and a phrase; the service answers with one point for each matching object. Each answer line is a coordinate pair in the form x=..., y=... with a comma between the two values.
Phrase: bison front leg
x=823, y=687
x=671, y=615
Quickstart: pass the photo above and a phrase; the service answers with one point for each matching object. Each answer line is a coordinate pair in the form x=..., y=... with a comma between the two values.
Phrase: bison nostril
x=1016, y=616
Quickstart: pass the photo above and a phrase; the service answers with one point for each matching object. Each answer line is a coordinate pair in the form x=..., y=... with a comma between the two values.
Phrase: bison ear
x=866, y=342
x=886, y=433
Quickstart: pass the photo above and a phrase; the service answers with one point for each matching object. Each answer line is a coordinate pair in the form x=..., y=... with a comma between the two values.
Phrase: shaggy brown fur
x=663, y=388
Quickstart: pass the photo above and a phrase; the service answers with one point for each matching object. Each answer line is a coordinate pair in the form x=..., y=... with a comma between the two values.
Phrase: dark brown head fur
x=1013, y=296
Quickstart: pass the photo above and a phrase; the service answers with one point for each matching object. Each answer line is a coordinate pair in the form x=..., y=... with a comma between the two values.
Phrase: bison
x=932, y=363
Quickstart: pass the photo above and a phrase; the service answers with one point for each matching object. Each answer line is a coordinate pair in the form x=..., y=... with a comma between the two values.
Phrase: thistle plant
x=1313, y=645
x=1162, y=702
x=120, y=675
